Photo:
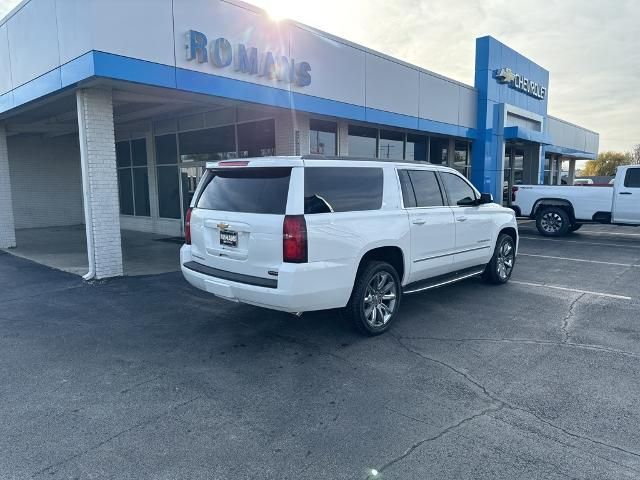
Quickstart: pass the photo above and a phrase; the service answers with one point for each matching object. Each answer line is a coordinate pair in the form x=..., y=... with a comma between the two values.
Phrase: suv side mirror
x=485, y=198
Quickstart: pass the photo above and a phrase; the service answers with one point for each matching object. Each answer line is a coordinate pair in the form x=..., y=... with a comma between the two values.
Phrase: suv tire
x=375, y=298
x=553, y=221
x=500, y=268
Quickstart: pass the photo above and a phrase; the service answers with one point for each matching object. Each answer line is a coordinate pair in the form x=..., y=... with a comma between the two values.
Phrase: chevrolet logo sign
x=505, y=75
x=222, y=226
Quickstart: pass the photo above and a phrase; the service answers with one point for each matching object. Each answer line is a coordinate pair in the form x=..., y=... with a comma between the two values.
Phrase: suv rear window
x=247, y=190
x=342, y=189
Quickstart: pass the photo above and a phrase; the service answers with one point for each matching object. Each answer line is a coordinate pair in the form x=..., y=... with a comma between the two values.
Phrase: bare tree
x=635, y=154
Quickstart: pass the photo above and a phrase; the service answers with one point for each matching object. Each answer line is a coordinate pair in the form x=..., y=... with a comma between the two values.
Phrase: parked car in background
x=559, y=210
x=299, y=234
x=583, y=181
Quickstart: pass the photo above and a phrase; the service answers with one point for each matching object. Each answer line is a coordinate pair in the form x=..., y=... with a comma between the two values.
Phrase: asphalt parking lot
x=147, y=378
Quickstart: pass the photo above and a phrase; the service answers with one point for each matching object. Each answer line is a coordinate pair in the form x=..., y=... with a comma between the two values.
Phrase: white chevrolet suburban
x=562, y=209
x=307, y=233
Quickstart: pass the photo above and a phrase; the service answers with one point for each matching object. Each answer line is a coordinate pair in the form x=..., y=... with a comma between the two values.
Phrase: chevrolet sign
x=523, y=84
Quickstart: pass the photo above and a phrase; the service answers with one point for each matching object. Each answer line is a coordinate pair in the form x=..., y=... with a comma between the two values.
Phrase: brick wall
x=7, y=230
x=46, y=181
x=97, y=115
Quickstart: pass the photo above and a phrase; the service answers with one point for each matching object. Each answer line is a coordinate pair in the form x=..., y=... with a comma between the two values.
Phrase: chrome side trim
x=454, y=253
x=446, y=282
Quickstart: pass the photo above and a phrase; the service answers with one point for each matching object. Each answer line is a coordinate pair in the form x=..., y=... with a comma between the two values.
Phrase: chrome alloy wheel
x=380, y=299
x=551, y=222
x=505, y=260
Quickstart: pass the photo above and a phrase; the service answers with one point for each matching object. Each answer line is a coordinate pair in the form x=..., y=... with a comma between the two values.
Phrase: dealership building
x=109, y=110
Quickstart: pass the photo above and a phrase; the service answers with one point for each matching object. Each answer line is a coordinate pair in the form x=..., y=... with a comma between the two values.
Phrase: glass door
x=513, y=171
x=189, y=178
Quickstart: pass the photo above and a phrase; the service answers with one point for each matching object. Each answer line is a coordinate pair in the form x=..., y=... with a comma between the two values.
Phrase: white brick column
x=7, y=225
x=292, y=133
x=100, y=182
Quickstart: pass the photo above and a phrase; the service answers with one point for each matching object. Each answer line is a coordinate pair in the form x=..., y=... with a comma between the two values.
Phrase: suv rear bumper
x=299, y=288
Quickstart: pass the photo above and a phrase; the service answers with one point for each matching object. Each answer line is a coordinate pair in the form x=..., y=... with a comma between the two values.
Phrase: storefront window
x=391, y=145
x=362, y=141
x=438, y=150
x=133, y=177
x=323, y=137
x=416, y=148
x=461, y=158
x=257, y=139
x=168, y=177
x=211, y=144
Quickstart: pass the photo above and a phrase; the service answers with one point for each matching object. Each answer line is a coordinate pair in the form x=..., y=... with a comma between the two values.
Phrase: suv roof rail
x=315, y=156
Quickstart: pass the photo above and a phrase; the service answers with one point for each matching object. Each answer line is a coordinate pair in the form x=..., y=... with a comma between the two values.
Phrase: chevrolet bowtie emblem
x=505, y=75
x=222, y=226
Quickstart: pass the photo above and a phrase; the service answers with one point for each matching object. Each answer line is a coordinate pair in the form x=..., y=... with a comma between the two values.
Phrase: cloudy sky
x=591, y=48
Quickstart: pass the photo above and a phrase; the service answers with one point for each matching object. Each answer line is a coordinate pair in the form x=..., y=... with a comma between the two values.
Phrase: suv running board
x=442, y=280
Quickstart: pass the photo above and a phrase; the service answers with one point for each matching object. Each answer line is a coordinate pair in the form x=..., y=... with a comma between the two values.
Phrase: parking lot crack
x=52, y=466
x=502, y=403
x=566, y=321
x=432, y=438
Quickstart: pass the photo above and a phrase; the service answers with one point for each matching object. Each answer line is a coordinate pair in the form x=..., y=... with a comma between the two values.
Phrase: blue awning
x=571, y=152
x=527, y=135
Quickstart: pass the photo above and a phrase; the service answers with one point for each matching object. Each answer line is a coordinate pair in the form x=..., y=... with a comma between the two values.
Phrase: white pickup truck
x=559, y=210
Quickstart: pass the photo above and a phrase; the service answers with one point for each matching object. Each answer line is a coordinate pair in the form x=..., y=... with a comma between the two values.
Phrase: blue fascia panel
x=520, y=133
x=6, y=102
x=571, y=152
x=77, y=70
x=133, y=70
x=390, y=118
x=43, y=85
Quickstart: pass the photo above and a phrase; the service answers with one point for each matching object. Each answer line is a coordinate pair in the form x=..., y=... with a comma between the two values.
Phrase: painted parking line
x=583, y=242
x=578, y=260
x=592, y=232
x=574, y=290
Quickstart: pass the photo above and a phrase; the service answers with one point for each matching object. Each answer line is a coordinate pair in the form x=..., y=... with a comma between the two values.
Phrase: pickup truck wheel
x=500, y=268
x=553, y=222
x=375, y=298
x=574, y=227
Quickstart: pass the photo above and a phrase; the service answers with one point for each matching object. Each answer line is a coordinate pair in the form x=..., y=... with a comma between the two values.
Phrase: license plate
x=229, y=238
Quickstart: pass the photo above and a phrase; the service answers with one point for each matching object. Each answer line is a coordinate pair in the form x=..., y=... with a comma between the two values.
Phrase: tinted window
x=457, y=189
x=141, y=191
x=323, y=137
x=125, y=189
x=417, y=147
x=354, y=189
x=166, y=150
x=391, y=145
x=408, y=197
x=632, y=180
x=362, y=141
x=139, y=152
x=439, y=151
x=123, y=154
x=257, y=139
x=247, y=190
x=426, y=188
x=168, y=192
x=208, y=145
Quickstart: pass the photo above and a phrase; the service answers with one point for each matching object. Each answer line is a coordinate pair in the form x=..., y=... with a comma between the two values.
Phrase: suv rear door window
x=426, y=188
x=342, y=189
x=457, y=188
x=247, y=190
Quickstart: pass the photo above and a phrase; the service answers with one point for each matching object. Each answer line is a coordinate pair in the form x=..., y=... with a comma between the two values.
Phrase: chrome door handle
x=419, y=221
x=461, y=219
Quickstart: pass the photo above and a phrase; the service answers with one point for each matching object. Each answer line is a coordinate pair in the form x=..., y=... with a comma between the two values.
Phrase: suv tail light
x=294, y=239
x=187, y=227
x=513, y=193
